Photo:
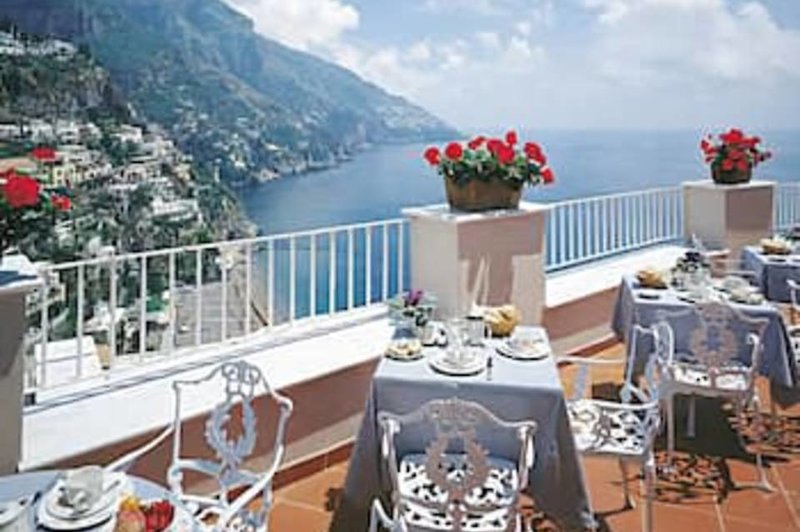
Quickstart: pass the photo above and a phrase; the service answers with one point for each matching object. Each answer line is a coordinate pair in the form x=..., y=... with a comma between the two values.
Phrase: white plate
x=443, y=364
x=55, y=516
x=10, y=511
x=539, y=351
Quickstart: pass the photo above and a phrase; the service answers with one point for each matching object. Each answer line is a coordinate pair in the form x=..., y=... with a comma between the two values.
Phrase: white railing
x=786, y=206
x=119, y=309
x=585, y=229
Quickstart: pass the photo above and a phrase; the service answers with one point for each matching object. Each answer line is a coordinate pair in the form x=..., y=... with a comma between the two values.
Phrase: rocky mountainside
x=229, y=96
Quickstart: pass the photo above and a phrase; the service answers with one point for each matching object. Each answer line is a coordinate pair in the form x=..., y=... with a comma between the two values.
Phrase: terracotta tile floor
x=698, y=496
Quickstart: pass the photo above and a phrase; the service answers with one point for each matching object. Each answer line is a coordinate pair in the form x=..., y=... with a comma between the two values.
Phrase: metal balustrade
x=121, y=309
x=585, y=229
x=118, y=310
x=786, y=206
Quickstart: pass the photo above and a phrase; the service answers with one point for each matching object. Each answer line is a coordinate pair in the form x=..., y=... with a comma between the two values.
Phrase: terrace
x=308, y=309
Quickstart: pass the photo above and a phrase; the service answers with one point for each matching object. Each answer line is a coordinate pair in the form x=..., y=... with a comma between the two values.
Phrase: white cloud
x=303, y=24
x=648, y=42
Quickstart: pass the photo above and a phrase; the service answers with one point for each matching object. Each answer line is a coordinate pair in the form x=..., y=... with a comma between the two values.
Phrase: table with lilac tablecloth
x=777, y=360
x=515, y=391
x=772, y=272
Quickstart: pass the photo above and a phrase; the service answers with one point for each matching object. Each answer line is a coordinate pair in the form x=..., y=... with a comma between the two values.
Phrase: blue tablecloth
x=772, y=271
x=517, y=391
x=777, y=360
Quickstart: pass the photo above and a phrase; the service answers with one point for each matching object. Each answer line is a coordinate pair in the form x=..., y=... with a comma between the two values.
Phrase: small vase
x=477, y=195
x=731, y=177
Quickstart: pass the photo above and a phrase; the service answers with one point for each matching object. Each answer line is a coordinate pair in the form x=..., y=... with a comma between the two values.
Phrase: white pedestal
x=489, y=258
x=17, y=278
x=728, y=216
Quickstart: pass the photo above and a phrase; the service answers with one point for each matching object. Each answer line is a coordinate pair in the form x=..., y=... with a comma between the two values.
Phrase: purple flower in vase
x=414, y=298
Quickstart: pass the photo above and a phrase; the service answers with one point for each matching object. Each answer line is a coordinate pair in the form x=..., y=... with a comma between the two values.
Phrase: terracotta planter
x=731, y=177
x=477, y=195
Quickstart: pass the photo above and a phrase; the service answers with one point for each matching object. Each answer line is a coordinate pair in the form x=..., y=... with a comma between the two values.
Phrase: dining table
x=642, y=305
x=772, y=272
x=513, y=390
x=37, y=483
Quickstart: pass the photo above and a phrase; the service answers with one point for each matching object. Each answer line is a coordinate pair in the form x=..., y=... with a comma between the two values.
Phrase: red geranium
x=454, y=151
x=493, y=159
x=505, y=154
x=62, y=203
x=43, y=154
x=494, y=146
x=734, y=150
x=433, y=156
x=476, y=143
x=534, y=151
x=21, y=191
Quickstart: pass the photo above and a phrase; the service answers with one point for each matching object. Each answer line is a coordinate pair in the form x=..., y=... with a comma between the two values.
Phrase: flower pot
x=477, y=195
x=731, y=177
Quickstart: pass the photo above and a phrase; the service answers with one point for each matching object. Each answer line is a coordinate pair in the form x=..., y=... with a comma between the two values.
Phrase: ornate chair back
x=719, y=338
x=241, y=384
x=456, y=425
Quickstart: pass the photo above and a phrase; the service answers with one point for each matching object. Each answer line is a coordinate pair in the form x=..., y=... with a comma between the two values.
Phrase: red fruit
x=727, y=165
x=511, y=138
x=21, y=191
x=547, y=176
x=742, y=165
x=432, y=155
x=454, y=151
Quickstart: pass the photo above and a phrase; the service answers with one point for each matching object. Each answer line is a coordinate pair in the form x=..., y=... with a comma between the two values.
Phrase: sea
x=378, y=183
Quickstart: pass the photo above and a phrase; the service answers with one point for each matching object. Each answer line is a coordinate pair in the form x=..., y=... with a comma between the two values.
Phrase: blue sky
x=562, y=64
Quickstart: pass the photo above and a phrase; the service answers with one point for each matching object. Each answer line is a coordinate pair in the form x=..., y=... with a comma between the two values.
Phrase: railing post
x=223, y=264
x=368, y=266
x=351, y=266
x=112, y=303
x=198, y=298
x=292, y=278
x=173, y=304
x=312, y=276
x=271, y=282
x=248, y=284
x=45, y=325
x=143, y=307
x=385, y=261
x=79, y=319
x=332, y=272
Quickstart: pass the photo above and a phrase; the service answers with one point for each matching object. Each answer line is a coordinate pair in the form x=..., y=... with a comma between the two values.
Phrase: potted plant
x=486, y=174
x=411, y=310
x=733, y=158
x=25, y=207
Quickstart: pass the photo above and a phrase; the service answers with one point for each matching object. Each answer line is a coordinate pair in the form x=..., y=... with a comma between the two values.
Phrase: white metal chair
x=242, y=383
x=711, y=366
x=379, y=518
x=455, y=485
x=624, y=431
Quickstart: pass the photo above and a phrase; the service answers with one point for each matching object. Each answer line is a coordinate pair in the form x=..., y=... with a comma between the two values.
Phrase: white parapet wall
x=17, y=278
x=728, y=216
x=487, y=258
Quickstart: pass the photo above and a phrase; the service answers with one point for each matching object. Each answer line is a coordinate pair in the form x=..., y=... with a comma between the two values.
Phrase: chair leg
x=690, y=418
x=763, y=482
x=623, y=468
x=670, y=428
x=649, y=493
